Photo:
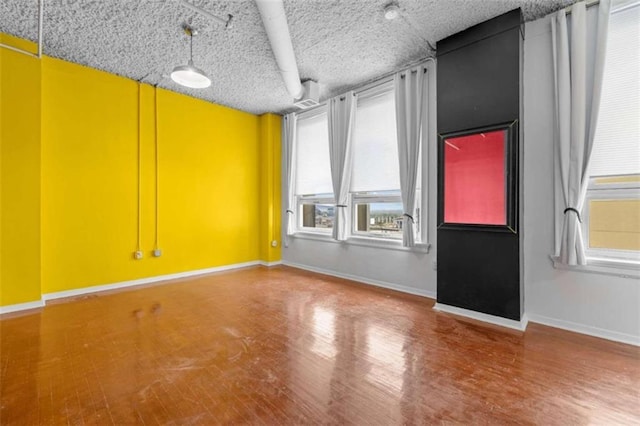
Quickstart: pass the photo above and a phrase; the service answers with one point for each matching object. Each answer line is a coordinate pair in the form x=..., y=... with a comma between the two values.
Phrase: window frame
x=368, y=198
x=312, y=199
x=617, y=261
x=381, y=88
x=427, y=176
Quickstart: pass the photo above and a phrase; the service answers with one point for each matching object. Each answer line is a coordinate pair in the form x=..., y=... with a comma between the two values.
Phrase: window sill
x=364, y=242
x=620, y=268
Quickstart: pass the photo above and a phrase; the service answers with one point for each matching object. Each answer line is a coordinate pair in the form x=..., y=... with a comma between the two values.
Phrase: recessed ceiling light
x=391, y=11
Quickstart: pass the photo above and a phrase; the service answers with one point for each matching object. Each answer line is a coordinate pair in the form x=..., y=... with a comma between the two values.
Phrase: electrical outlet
x=157, y=253
x=435, y=265
x=137, y=255
x=274, y=243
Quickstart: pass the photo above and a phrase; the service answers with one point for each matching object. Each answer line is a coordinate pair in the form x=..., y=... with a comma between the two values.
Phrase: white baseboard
x=269, y=264
x=518, y=325
x=21, y=307
x=602, y=333
x=491, y=319
x=377, y=283
x=150, y=280
x=125, y=284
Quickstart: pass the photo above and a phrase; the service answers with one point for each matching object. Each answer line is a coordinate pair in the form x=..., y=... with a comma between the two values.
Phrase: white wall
x=409, y=271
x=601, y=305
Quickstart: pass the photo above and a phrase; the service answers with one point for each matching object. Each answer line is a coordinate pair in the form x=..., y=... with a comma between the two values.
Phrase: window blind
x=616, y=149
x=375, y=155
x=313, y=170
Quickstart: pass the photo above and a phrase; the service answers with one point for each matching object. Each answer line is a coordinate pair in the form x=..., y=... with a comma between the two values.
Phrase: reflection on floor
x=283, y=346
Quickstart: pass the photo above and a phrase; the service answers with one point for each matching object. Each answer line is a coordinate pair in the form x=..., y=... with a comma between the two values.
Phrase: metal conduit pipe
x=275, y=24
x=40, y=24
x=40, y=19
x=194, y=8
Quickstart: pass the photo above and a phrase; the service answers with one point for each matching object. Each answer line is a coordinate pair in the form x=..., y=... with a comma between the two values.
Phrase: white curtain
x=578, y=61
x=410, y=90
x=341, y=117
x=289, y=139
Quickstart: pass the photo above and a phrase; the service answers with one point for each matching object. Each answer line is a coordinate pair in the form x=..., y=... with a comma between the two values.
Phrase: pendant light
x=189, y=75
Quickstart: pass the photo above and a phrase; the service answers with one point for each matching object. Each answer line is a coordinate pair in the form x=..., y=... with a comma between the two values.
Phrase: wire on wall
x=37, y=55
x=156, y=245
x=272, y=203
x=139, y=241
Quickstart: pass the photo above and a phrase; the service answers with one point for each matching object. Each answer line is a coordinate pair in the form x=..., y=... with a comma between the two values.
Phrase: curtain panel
x=341, y=118
x=579, y=48
x=410, y=91
x=289, y=135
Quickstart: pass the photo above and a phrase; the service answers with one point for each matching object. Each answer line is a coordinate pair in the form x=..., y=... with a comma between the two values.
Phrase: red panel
x=474, y=179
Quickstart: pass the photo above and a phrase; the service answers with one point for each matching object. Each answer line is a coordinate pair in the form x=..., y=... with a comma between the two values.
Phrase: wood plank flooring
x=283, y=346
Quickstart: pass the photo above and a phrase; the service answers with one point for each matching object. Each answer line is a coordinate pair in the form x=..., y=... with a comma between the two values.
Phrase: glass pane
x=381, y=218
x=319, y=216
x=614, y=224
x=474, y=179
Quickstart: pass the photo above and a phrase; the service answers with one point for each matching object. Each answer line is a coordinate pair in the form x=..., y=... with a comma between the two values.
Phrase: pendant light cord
x=191, y=45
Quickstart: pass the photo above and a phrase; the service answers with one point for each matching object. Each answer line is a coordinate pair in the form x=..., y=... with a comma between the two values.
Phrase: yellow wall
x=19, y=175
x=218, y=174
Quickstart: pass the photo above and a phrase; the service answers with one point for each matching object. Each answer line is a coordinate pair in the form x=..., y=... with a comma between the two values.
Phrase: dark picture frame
x=510, y=179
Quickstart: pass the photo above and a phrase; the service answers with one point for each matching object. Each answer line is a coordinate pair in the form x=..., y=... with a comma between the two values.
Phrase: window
x=314, y=191
x=611, y=222
x=612, y=217
x=375, y=202
x=375, y=183
x=378, y=214
x=316, y=213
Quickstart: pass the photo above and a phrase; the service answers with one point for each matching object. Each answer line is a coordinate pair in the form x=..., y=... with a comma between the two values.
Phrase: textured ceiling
x=339, y=43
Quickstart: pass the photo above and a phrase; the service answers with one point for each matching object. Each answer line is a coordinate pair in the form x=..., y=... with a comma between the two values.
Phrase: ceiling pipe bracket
x=227, y=22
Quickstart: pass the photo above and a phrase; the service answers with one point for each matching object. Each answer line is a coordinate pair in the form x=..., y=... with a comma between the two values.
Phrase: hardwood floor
x=282, y=346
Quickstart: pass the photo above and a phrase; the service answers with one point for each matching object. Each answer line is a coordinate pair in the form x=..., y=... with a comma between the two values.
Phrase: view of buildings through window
x=318, y=216
x=384, y=219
